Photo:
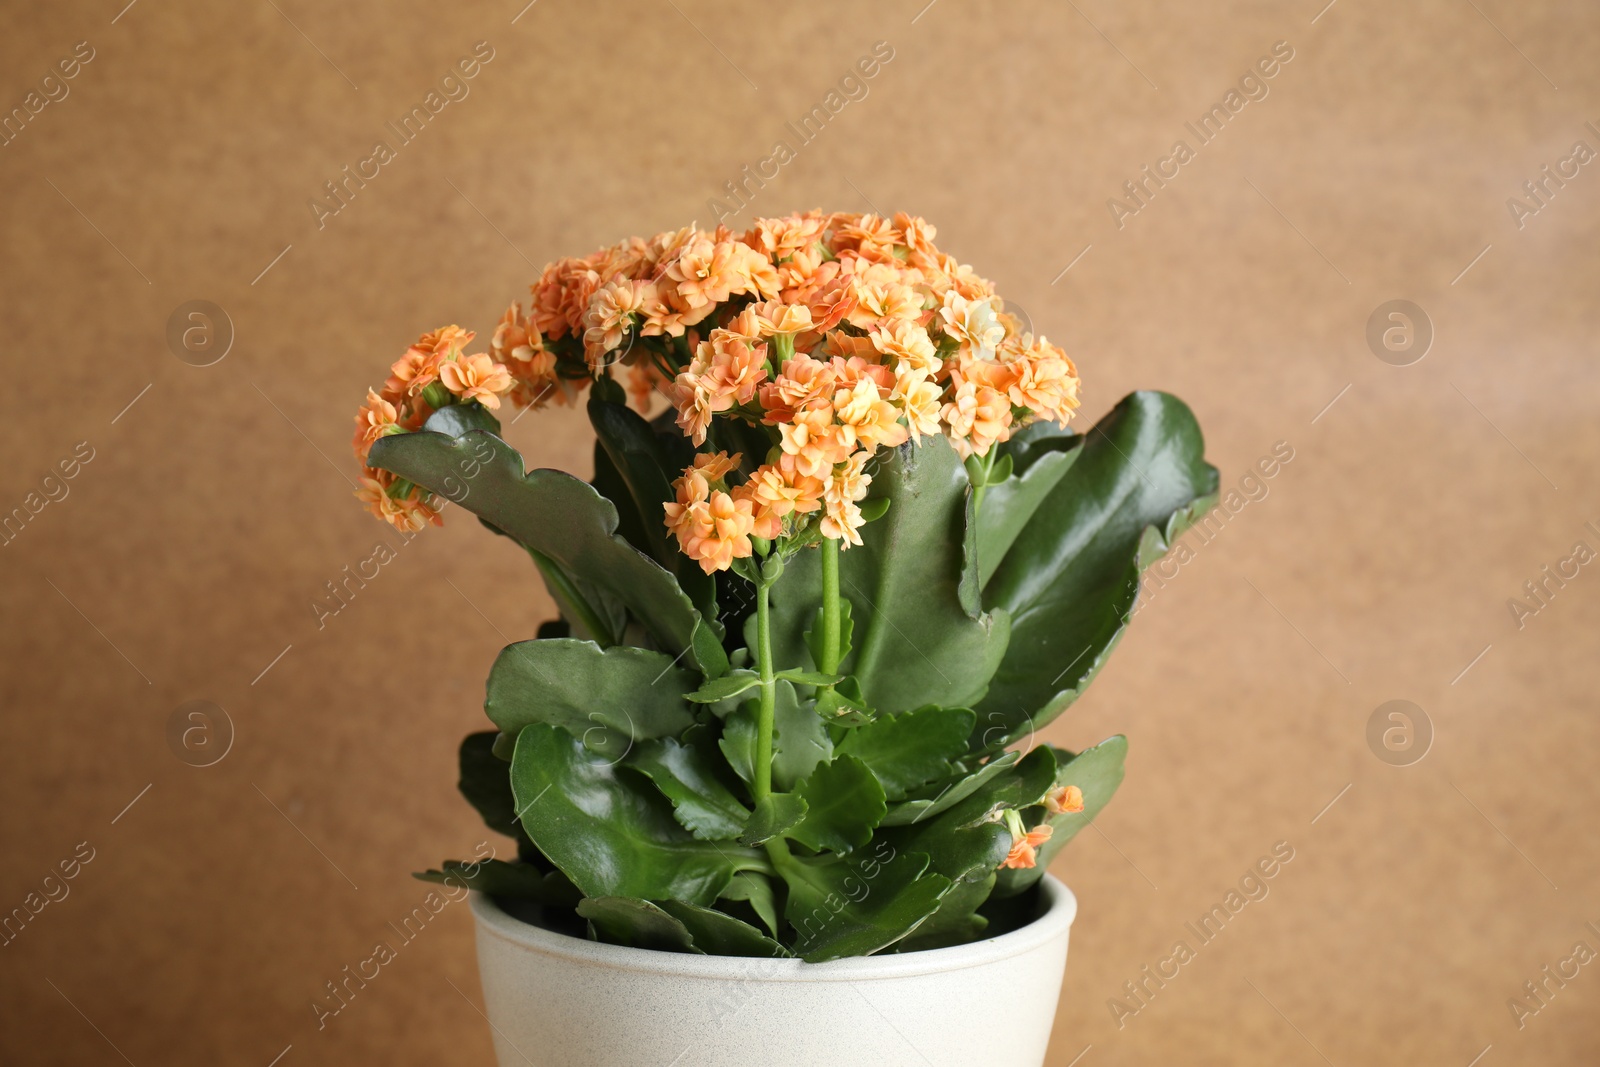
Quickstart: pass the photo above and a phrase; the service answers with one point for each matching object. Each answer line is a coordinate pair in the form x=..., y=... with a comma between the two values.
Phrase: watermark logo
x=199, y=332
x=200, y=733
x=1399, y=733
x=1399, y=332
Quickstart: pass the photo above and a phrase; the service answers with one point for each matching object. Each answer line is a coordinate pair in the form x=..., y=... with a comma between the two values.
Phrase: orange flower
x=1064, y=800
x=372, y=422
x=779, y=489
x=408, y=515
x=905, y=345
x=713, y=527
x=846, y=487
x=476, y=378
x=873, y=421
x=610, y=314
x=972, y=322
x=977, y=417
x=1024, y=848
x=419, y=367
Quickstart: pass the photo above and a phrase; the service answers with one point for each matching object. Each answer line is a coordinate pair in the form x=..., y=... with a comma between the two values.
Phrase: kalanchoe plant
x=812, y=614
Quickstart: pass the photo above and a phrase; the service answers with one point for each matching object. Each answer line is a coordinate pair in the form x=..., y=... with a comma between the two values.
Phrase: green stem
x=568, y=598
x=768, y=705
x=830, y=607
x=978, y=473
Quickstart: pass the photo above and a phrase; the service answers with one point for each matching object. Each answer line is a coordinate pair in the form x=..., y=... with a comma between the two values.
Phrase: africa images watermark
x=1252, y=488
x=1541, y=589
x=1252, y=888
x=453, y=87
x=1252, y=86
x=53, y=89
x=1537, y=192
x=343, y=989
x=853, y=86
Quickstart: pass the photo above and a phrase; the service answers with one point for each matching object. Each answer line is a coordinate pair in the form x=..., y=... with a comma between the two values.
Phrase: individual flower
x=847, y=486
x=476, y=378
x=407, y=514
x=971, y=322
x=611, y=313
x=1024, y=842
x=977, y=416
x=1064, y=800
x=713, y=526
x=1024, y=849
x=373, y=421
x=872, y=419
x=726, y=371
x=419, y=367
x=904, y=344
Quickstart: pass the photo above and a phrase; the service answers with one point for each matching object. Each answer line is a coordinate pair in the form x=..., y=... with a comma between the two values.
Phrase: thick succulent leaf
x=610, y=699
x=520, y=881
x=609, y=483
x=858, y=904
x=947, y=794
x=559, y=517
x=775, y=814
x=719, y=934
x=636, y=923
x=1097, y=772
x=800, y=740
x=755, y=889
x=1041, y=455
x=687, y=771
x=639, y=456
x=738, y=741
x=957, y=921
x=725, y=688
x=914, y=642
x=486, y=783
x=1071, y=575
x=968, y=842
x=906, y=750
x=844, y=803
x=453, y=420
x=608, y=829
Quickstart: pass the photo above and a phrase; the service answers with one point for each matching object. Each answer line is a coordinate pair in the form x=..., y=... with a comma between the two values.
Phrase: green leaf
x=497, y=878
x=641, y=460
x=738, y=742
x=1072, y=574
x=844, y=803
x=609, y=699
x=915, y=644
x=948, y=795
x=608, y=829
x=858, y=904
x=904, y=751
x=637, y=923
x=453, y=420
x=804, y=677
x=1009, y=503
x=967, y=841
x=755, y=889
x=728, y=686
x=957, y=921
x=486, y=783
x=1097, y=772
x=719, y=934
x=800, y=741
x=775, y=814
x=813, y=636
x=559, y=517
x=686, y=772
x=842, y=705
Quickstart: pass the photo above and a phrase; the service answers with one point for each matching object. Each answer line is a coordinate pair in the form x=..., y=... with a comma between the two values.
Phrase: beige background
x=191, y=548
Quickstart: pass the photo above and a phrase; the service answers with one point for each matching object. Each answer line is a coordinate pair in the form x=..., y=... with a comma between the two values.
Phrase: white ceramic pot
x=560, y=1001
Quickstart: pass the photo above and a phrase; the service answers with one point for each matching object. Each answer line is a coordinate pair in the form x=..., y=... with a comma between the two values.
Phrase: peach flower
x=476, y=378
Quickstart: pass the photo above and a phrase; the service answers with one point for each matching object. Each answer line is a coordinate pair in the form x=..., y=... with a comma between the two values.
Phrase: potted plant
x=773, y=775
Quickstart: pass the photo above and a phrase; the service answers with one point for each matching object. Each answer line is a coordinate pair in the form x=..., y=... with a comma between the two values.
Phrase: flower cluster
x=842, y=335
x=835, y=334
x=434, y=371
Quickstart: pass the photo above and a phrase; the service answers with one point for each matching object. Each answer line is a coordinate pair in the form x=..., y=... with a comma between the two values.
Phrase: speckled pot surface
x=559, y=1001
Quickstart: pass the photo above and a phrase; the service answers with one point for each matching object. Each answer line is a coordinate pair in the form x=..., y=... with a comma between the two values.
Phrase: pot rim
x=1061, y=909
